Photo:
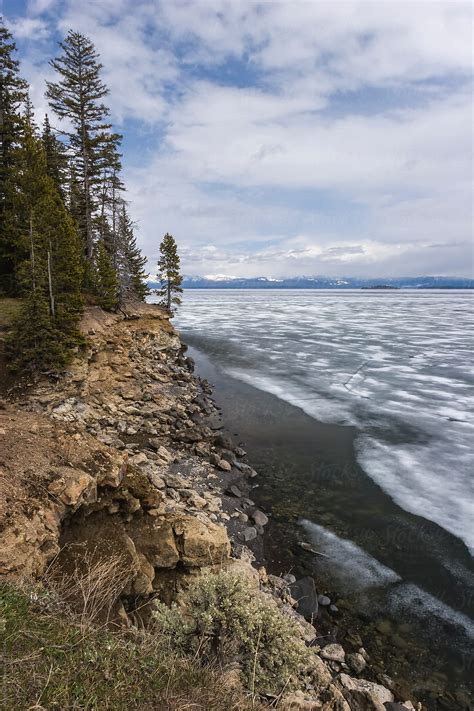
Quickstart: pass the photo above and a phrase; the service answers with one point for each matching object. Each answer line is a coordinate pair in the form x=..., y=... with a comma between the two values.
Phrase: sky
x=283, y=137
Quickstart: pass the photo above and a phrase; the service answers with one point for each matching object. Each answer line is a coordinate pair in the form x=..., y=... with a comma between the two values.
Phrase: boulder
x=199, y=543
x=304, y=591
x=364, y=695
x=155, y=540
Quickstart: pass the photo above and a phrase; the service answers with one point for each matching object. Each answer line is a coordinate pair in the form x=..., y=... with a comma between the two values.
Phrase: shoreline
x=279, y=557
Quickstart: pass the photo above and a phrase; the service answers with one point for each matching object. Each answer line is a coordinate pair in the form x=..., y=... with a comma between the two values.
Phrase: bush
x=224, y=618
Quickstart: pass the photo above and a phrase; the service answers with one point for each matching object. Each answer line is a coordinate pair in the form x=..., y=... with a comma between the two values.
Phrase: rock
x=364, y=695
x=320, y=674
x=176, y=481
x=333, y=652
x=200, y=543
x=260, y=518
x=156, y=541
x=157, y=480
x=224, y=465
x=73, y=487
x=164, y=455
x=235, y=491
x=223, y=441
x=333, y=700
x=139, y=459
x=249, y=534
x=138, y=485
x=304, y=591
x=356, y=662
x=289, y=578
x=324, y=600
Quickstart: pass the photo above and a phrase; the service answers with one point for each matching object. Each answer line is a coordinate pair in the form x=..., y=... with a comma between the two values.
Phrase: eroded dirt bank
x=123, y=457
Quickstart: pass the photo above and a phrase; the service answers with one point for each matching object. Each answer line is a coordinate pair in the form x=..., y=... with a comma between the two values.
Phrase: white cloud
x=264, y=161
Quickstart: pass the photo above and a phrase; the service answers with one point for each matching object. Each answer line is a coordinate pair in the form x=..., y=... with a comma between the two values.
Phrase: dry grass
x=91, y=592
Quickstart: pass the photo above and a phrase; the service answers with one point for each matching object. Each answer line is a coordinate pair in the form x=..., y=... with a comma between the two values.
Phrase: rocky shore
x=124, y=456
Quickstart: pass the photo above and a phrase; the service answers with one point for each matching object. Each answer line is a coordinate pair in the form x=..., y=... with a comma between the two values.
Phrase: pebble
x=324, y=600
x=224, y=466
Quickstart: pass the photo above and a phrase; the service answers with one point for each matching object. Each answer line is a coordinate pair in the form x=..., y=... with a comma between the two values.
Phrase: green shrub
x=224, y=618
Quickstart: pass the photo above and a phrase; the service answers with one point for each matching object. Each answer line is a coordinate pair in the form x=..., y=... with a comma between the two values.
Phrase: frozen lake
x=398, y=365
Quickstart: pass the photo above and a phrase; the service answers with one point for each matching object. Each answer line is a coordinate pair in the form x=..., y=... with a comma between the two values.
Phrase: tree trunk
x=50, y=283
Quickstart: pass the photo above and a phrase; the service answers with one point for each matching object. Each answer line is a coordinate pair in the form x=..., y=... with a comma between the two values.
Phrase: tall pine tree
x=169, y=274
x=50, y=273
x=107, y=287
x=13, y=94
x=77, y=97
x=132, y=273
x=56, y=157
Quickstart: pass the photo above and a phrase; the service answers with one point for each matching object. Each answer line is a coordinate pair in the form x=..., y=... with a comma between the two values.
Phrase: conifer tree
x=107, y=287
x=132, y=274
x=169, y=274
x=50, y=272
x=56, y=158
x=77, y=96
x=12, y=96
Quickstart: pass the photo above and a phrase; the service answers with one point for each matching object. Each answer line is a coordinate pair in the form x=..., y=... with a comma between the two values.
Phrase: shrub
x=224, y=617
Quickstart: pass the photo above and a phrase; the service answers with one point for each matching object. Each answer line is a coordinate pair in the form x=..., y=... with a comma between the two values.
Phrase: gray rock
x=356, y=662
x=239, y=452
x=289, y=578
x=304, y=591
x=333, y=652
x=157, y=480
x=222, y=440
x=235, y=491
x=224, y=466
x=324, y=600
x=260, y=518
x=249, y=534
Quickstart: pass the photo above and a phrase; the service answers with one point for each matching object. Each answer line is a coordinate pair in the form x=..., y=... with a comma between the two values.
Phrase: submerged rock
x=304, y=592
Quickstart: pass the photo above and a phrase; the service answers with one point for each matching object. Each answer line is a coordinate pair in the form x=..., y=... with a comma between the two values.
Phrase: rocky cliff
x=122, y=458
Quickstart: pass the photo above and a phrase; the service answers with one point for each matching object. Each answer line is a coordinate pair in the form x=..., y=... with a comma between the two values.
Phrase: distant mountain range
x=221, y=281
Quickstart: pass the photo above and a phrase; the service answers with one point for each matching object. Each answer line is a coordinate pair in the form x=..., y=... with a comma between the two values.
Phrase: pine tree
x=77, y=97
x=131, y=271
x=56, y=158
x=50, y=273
x=13, y=93
x=107, y=287
x=168, y=274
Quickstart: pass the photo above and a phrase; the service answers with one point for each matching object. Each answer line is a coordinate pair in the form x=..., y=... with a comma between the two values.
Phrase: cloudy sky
x=283, y=137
